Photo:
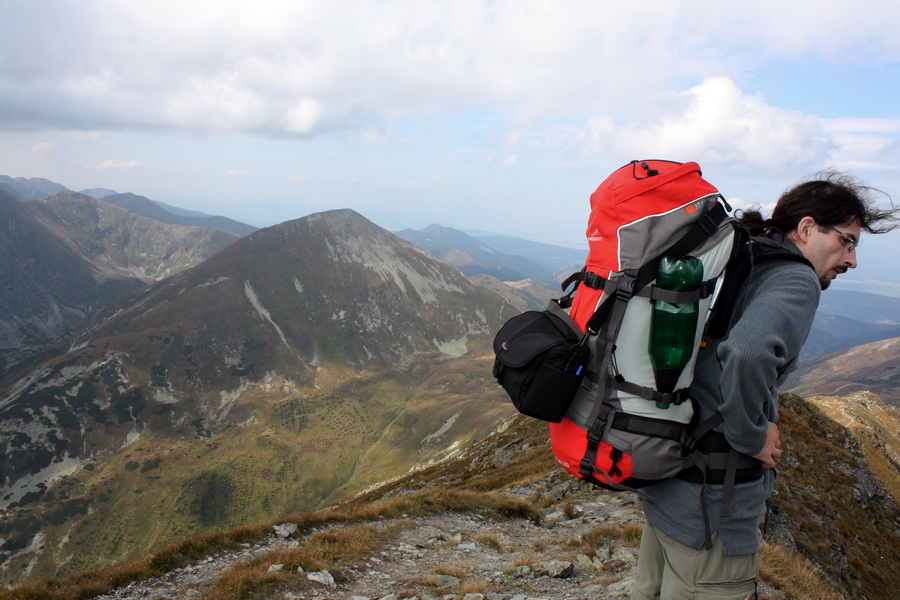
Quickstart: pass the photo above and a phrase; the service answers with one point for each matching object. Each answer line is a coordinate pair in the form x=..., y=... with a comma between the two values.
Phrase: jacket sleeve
x=777, y=316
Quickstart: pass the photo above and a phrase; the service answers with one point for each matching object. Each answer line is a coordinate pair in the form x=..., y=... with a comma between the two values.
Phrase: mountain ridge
x=300, y=364
x=473, y=257
x=34, y=187
x=143, y=206
x=839, y=324
x=871, y=367
x=67, y=255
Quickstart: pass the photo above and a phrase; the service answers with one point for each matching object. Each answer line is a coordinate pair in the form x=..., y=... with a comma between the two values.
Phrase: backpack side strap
x=711, y=460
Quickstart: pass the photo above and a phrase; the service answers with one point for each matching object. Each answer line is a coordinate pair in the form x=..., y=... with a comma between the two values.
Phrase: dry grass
x=436, y=582
x=570, y=510
x=819, y=493
x=490, y=541
x=328, y=550
x=794, y=576
x=452, y=571
x=320, y=552
x=332, y=550
x=429, y=581
x=608, y=535
x=477, y=471
x=97, y=581
x=476, y=587
x=431, y=501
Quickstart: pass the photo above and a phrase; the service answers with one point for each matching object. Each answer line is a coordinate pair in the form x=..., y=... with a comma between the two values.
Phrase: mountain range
x=527, y=273
x=848, y=319
x=140, y=205
x=505, y=258
x=67, y=255
x=37, y=188
x=309, y=362
x=299, y=364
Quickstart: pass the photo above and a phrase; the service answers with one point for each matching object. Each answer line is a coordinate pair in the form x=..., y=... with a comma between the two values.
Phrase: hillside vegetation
x=833, y=531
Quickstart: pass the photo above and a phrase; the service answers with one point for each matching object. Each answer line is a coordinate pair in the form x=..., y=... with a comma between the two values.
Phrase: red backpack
x=620, y=431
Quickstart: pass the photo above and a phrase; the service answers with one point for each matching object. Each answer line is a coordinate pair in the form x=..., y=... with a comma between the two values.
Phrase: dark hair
x=831, y=198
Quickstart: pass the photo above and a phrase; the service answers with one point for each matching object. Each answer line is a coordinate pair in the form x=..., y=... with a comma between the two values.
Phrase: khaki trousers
x=669, y=570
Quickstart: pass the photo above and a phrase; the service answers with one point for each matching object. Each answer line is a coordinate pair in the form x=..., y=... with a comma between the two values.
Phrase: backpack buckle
x=625, y=288
x=689, y=443
x=592, y=280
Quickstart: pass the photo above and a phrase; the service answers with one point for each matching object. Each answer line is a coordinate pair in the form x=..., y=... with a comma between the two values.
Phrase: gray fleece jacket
x=740, y=376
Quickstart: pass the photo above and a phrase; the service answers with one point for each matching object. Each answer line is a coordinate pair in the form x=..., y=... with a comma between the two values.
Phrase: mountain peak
x=350, y=277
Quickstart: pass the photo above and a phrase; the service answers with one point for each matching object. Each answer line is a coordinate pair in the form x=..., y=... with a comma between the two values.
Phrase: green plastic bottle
x=673, y=327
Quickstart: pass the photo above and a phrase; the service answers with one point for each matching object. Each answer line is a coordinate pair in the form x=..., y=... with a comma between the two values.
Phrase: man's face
x=829, y=249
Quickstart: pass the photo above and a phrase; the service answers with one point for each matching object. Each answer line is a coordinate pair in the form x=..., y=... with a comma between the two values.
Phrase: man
x=740, y=377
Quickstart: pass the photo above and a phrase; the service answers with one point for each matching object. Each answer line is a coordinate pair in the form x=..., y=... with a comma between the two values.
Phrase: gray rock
x=323, y=577
x=554, y=518
x=446, y=580
x=285, y=529
x=554, y=568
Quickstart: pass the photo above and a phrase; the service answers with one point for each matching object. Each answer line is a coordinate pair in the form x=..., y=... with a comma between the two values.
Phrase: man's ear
x=804, y=229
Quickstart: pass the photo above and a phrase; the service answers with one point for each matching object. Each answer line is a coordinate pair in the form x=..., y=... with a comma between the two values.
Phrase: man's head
x=824, y=218
x=830, y=249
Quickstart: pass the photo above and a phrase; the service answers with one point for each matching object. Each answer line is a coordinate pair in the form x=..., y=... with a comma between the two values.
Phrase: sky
x=483, y=115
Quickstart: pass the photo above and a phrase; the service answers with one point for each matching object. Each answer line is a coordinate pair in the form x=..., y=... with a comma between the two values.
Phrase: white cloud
x=43, y=147
x=738, y=203
x=217, y=101
x=789, y=30
x=237, y=172
x=869, y=125
x=118, y=164
x=461, y=88
x=865, y=143
x=858, y=165
x=84, y=135
x=372, y=135
x=303, y=116
x=715, y=122
x=226, y=65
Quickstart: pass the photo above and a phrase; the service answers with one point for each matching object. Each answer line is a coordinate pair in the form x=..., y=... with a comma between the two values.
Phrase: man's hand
x=771, y=449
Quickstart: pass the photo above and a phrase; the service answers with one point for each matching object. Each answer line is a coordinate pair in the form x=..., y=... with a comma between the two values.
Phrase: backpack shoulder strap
x=764, y=249
x=749, y=252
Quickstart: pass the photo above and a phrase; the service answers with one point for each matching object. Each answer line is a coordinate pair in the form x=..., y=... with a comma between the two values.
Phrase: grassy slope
x=289, y=452
x=518, y=453
x=835, y=509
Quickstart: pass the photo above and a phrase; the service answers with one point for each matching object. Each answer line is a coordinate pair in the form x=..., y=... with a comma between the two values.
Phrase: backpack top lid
x=632, y=196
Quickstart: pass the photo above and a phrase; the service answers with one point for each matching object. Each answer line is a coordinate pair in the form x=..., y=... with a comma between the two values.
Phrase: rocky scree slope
x=573, y=542
x=833, y=517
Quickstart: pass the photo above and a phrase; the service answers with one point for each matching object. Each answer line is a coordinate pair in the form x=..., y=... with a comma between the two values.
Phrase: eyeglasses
x=849, y=241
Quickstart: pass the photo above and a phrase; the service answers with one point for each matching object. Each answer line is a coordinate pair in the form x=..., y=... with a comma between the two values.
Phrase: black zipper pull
x=650, y=172
x=616, y=456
